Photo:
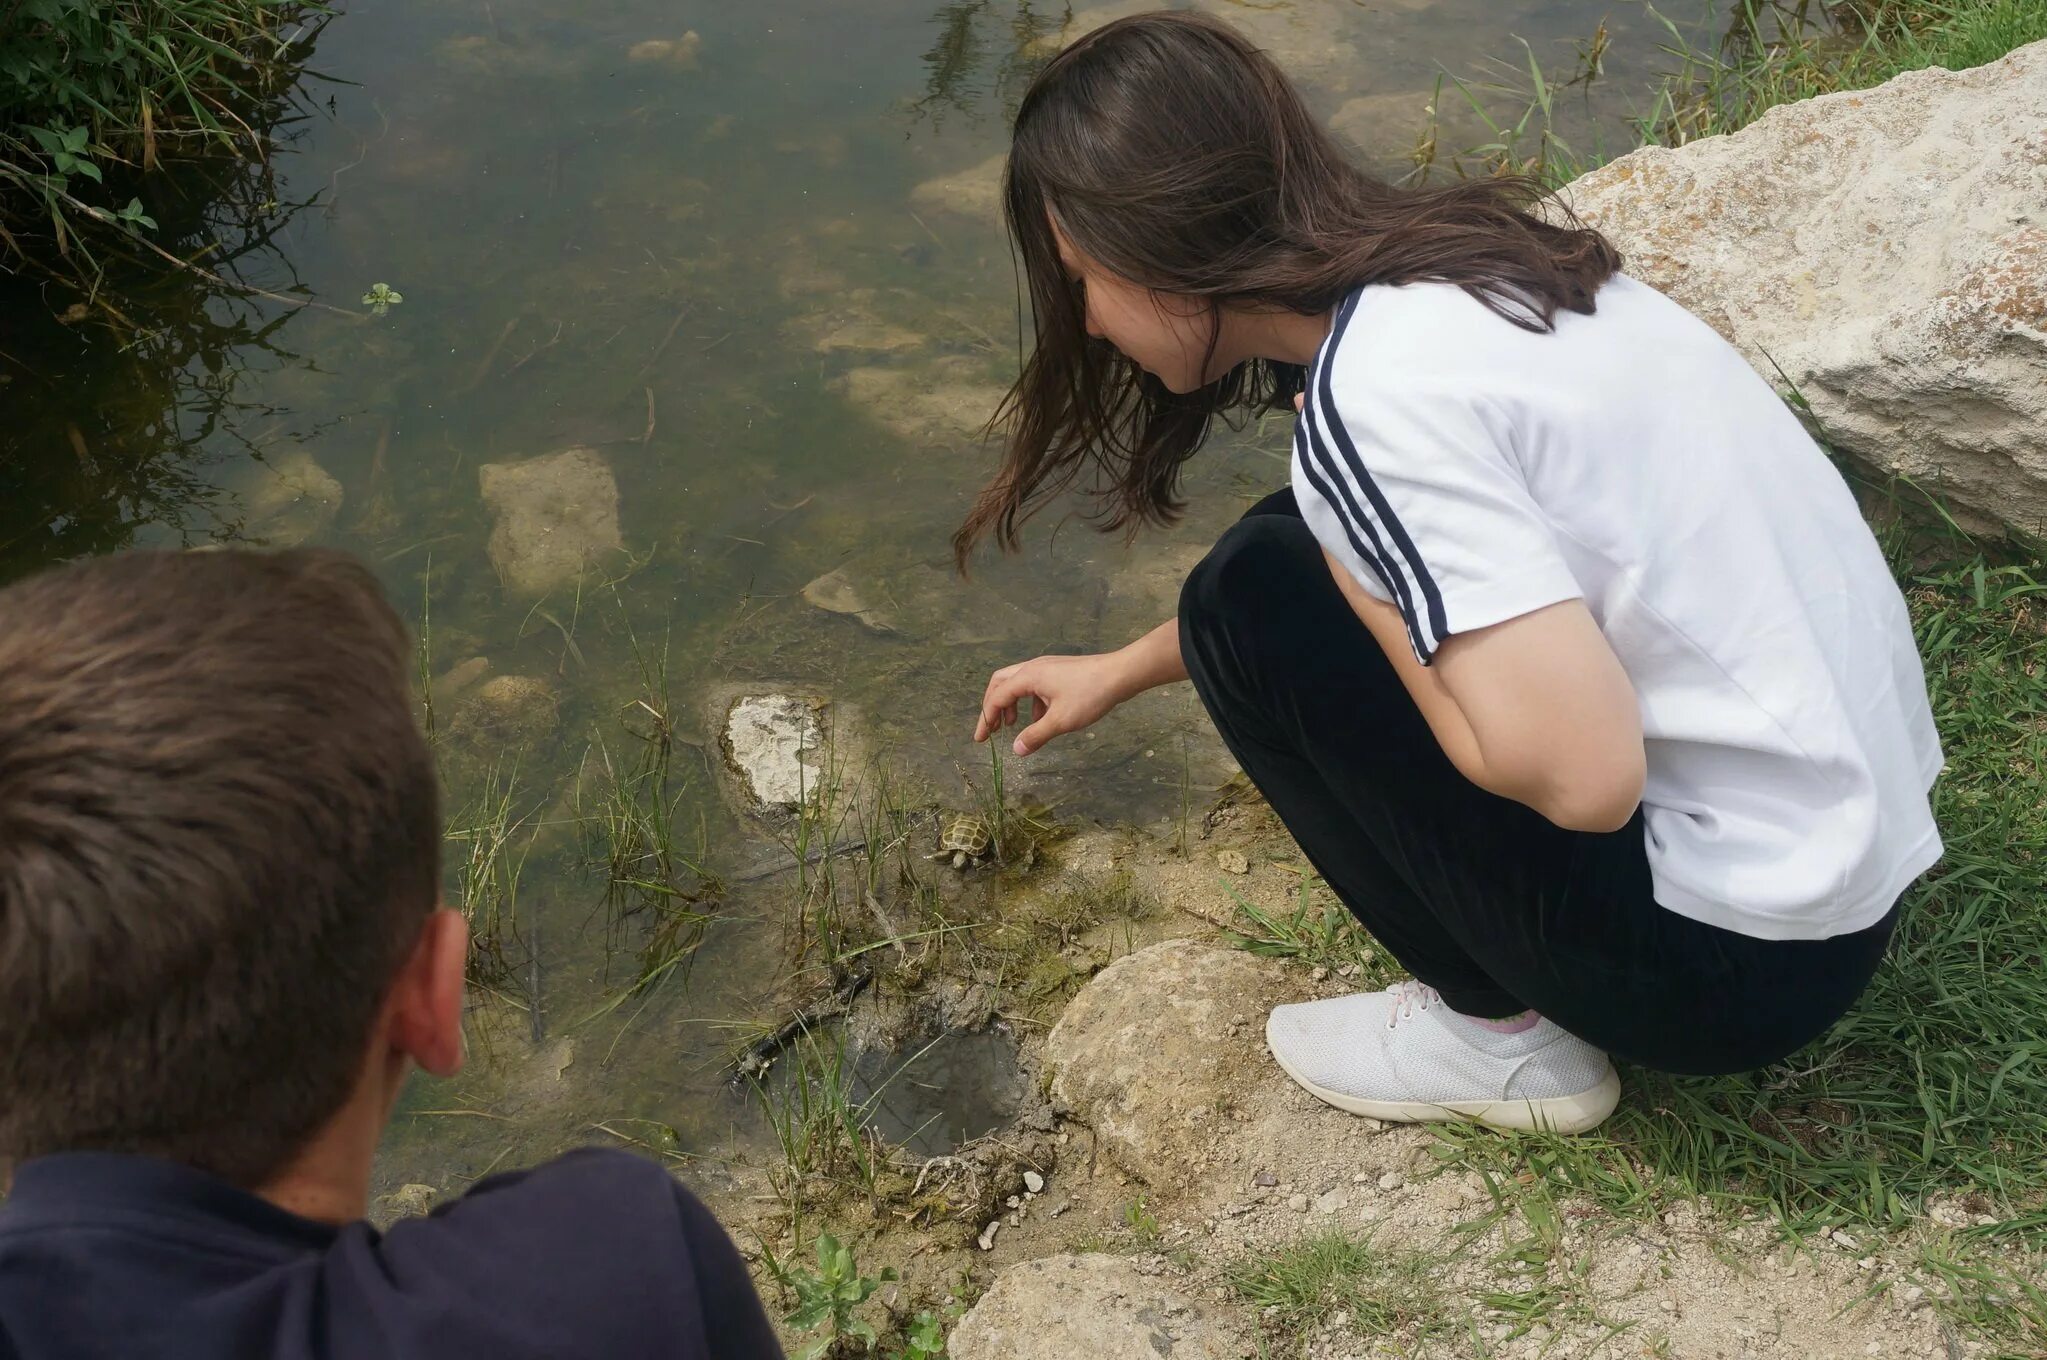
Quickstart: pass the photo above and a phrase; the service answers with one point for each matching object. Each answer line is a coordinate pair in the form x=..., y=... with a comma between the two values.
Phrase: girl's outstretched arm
x=1070, y=692
x=1537, y=709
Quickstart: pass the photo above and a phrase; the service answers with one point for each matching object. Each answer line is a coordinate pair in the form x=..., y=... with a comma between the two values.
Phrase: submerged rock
x=509, y=710
x=1887, y=250
x=680, y=53
x=1147, y=1057
x=1302, y=41
x=554, y=518
x=918, y=600
x=836, y=592
x=458, y=678
x=1062, y=1307
x=287, y=499
x=776, y=743
x=974, y=193
x=947, y=401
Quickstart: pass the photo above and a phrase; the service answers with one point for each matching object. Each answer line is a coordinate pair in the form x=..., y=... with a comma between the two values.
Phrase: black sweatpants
x=1483, y=899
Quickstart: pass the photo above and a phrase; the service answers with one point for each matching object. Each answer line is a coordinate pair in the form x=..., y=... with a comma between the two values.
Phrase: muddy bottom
x=940, y=1091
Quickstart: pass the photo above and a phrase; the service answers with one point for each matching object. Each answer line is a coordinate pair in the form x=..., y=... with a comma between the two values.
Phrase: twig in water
x=756, y=1057
x=662, y=348
x=647, y=436
x=531, y=354
x=490, y=359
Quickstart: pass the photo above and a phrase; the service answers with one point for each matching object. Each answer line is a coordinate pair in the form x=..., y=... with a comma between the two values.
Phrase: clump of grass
x=423, y=652
x=1934, y=1081
x=487, y=870
x=823, y=1125
x=1387, y=1295
x=630, y=830
x=1318, y=931
x=96, y=97
x=1997, y=1297
x=1769, y=52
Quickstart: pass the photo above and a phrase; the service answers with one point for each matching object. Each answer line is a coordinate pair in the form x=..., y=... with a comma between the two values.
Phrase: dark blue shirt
x=597, y=1254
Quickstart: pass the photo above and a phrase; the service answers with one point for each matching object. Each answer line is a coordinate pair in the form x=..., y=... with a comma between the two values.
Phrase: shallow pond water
x=746, y=255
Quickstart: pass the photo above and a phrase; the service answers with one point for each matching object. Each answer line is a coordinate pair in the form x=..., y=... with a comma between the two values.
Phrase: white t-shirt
x=1471, y=471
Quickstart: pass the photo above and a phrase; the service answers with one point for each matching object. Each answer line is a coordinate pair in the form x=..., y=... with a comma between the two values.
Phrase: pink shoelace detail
x=1409, y=997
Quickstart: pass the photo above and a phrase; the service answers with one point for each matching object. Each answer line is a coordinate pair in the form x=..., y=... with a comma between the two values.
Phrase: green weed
x=826, y=1299
x=1142, y=1222
x=487, y=871
x=94, y=97
x=1387, y=1296
x=1317, y=932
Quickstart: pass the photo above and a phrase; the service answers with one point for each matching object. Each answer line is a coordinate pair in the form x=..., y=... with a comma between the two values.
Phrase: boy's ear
x=426, y=1000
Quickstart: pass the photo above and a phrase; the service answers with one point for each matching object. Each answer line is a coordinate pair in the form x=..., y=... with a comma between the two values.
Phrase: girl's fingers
x=1000, y=700
x=1038, y=733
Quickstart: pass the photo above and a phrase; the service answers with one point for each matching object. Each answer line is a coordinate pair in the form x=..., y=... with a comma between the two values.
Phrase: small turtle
x=964, y=840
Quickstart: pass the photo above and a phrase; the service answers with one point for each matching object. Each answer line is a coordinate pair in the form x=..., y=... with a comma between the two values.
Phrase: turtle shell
x=966, y=833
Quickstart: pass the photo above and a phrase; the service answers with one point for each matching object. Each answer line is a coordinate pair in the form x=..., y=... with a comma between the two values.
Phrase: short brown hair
x=219, y=839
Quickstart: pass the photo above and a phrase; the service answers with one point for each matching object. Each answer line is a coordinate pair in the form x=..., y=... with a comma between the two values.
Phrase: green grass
x=493, y=837
x=1389, y=1297
x=1317, y=930
x=1937, y=1080
x=96, y=97
x=1769, y=52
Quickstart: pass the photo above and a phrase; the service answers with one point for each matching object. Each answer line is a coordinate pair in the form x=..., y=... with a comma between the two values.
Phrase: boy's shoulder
x=601, y=1249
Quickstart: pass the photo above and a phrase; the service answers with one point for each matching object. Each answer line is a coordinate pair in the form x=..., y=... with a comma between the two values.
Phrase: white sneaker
x=1404, y=1056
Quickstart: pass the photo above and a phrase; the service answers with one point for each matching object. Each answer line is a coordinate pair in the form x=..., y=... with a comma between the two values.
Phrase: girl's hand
x=1068, y=693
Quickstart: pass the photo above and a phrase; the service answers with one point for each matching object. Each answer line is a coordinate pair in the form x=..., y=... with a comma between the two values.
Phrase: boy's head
x=219, y=852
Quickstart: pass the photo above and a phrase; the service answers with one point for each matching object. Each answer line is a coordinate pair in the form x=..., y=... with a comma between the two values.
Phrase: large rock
x=775, y=742
x=507, y=711
x=974, y=193
x=287, y=499
x=919, y=600
x=946, y=401
x=1887, y=251
x=1095, y=1306
x=1156, y=1053
x=555, y=518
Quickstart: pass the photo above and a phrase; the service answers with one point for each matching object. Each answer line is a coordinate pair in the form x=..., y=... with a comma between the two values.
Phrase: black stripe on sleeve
x=1425, y=641
x=1321, y=472
x=1370, y=555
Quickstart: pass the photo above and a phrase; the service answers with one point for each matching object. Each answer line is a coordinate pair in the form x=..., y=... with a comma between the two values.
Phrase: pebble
x=987, y=1239
x=1298, y=1203
x=1232, y=862
x=1013, y=1201
x=1392, y=1180
x=1911, y=1297
x=1666, y=1305
x=1033, y=1182
x=1266, y=1179
x=1320, y=974
x=1843, y=1240
x=1331, y=1201
x=1063, y=1207
x=1339, y=1318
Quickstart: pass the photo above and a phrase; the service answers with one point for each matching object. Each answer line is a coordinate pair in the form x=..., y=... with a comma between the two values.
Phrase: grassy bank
x=1766, y=52
x=95, y=98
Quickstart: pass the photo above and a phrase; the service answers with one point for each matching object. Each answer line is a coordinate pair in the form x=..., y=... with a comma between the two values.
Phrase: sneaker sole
x=1558, y=1114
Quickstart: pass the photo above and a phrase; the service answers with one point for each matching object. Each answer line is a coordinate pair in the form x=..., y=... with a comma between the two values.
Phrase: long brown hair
x=1179, y=157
